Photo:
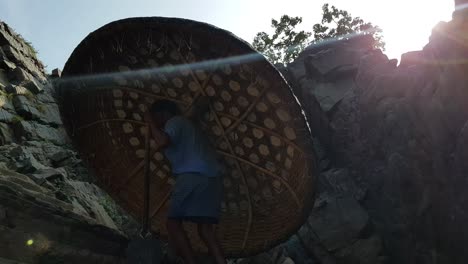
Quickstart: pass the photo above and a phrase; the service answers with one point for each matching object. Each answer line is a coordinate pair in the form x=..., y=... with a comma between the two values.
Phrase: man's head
x=163, y=110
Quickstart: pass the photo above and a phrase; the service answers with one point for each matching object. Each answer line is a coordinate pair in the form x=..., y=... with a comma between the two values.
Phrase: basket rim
x=148, y=21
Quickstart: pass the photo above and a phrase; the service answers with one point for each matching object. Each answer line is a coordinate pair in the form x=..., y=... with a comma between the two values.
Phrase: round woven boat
x=254, y=121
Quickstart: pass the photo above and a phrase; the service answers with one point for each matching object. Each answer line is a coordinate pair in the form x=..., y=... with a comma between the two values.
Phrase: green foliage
x=111, y=208
x=28, y=44
x=8, y=96
x=286, y=43
x=339, y=24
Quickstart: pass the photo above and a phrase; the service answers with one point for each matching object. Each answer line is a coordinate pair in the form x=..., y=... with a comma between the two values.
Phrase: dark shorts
x=196, y=198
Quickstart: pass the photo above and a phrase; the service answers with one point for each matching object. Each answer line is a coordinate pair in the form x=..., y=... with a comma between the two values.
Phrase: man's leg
x=207, y=234
x=179, y=238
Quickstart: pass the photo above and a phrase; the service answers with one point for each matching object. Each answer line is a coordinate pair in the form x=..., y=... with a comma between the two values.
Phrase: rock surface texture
x=401, y=130
x=47, y=196
x=395, y=145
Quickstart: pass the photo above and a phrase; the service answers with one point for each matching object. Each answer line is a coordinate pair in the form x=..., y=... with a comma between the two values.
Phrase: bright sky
x=55, y=27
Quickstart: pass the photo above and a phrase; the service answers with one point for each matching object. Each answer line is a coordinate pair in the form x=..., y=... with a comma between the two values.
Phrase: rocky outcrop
x=47, y=194
x=322, y=75
x=36, y=227
x=395, y=140
x=399, y=134
x=401, y=130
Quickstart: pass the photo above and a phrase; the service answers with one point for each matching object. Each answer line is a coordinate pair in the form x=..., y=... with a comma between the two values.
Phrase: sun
x=407, y=25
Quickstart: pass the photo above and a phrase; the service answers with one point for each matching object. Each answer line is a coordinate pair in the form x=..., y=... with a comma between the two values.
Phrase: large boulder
x=332, y=66
x=401, y=133
x=31, y=130
x=18, y=51
x=26, y=107
x=6, y=134
x=37, y=227
x=321, y=77
x=51, y=212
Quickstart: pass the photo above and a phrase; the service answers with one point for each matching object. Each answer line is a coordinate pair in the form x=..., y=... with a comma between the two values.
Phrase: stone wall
x=47, y=194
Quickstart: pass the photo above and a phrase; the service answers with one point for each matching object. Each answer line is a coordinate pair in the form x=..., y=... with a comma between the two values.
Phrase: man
x=197, y=193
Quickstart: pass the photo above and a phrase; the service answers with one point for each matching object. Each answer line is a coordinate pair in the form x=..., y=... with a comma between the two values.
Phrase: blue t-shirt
x=189, y=150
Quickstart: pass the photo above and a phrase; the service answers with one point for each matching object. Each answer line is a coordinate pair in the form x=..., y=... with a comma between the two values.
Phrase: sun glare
x=407, y=25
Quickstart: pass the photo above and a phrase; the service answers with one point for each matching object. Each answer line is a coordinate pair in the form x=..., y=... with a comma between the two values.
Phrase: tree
x=339, y=24
x=286, y=43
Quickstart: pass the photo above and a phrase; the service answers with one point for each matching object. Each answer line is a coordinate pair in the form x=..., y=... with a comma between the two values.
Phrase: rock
x=58, y=158
x=34, y=87
x=2, y=54
x=44, y=113
x=46, y=96
x=36, y=131
x=87, y=199
x=401, y=133
x=50, y=205
x=341, y=182
x=50, y=114
x=11, y=53
x=7, y=65
x=316, y=116
x=460, y=10
x=325, y=61
x=24, y=78
x=9, y=261
x=329, y=94
x=47, y=174
x=6, y=134
x=20, y=52
x=322, y=75
x=20, y=75
x=16, y=89
x=339, y=222
x=26, y=108
x=24, y=160
x=3, y=79
x=363, y=251
x=10, y=39
x=297, y=252
x=52, y=226
x=341, y=72
x=412, y=58
x=6, y=116
x=6, y=104
x=287, y=261
x=313, y=247
x=56, y=73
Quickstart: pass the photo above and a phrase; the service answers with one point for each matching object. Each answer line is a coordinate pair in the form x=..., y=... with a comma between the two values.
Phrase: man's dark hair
x=164, y=106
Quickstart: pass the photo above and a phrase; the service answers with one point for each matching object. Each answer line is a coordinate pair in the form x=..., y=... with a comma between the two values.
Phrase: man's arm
x=161, y=138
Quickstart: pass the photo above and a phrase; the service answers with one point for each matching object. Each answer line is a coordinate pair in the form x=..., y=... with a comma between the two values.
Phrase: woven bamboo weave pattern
x=254, y=121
